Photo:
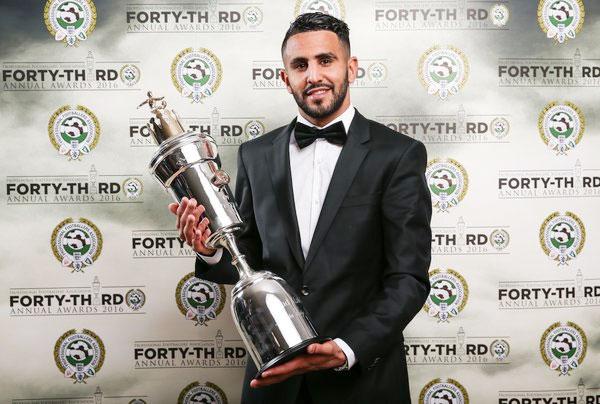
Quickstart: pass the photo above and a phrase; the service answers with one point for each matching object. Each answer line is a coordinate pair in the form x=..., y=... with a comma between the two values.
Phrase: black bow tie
x=305, y=135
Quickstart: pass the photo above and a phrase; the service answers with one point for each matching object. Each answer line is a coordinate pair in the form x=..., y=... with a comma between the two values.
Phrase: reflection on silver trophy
x=268, y=314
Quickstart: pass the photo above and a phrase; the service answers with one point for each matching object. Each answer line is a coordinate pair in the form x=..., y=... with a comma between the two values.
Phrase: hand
x=317, y=357
x=191, y=229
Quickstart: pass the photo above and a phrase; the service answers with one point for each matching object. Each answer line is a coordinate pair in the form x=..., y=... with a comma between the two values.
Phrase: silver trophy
x=267, y=313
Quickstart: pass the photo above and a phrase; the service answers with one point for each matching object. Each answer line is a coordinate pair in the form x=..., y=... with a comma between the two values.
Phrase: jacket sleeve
x=406, y=215
x=248, y=239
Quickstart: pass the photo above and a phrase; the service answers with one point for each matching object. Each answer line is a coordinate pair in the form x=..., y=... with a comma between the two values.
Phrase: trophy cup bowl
x=268, y=314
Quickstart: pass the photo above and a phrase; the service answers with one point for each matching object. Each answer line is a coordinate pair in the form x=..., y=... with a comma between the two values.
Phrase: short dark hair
x=318, y=22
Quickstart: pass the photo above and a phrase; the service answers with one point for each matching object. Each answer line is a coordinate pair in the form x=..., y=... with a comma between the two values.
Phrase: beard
x=321, y=109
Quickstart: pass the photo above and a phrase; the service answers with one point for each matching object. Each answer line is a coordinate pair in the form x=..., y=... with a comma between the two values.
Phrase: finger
x=173, y=207
x=262, y=382
x=200, y=240
x=326, y=348
x=301, y=362
x=199, y=211
x=184, y=220
x=189, y=229
x=180, y=209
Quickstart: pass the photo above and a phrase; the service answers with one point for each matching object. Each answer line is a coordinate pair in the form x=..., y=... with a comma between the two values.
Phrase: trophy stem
x=238, y=259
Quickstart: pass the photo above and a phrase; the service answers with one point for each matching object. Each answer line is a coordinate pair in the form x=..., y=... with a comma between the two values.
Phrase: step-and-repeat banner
x=99, y=302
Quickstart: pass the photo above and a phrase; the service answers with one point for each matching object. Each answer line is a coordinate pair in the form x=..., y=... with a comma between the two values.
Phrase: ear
x=284, y=77
x=352, y=68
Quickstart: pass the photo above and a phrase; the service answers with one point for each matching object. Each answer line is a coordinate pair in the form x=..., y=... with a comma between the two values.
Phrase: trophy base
x=290, y=353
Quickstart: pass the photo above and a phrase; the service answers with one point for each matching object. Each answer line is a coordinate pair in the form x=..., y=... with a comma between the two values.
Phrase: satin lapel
x=278, y=159
x=347, y=166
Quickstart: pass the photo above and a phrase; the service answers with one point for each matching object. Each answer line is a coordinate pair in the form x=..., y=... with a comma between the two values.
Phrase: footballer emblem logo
x=133, y=188
x=74, y=132
x=254, y=129
x=76, y=243
x=202, y=393
x=79, y=355
x=499, y=349
x=499, y=239
x=561, y=19
x=334, y=8
x=377, y=72
x=448, y=183
x=499, y=15
x=562, y=237
x=561, y=126
x=252, y=16
x=563, y=347
x=443, y=391
x=448, y=296
x=443, y=70
x=196, y=73
x=130, y=74
x=70, y=21
x=199, y=300
x=135, y=299
x=499, y=127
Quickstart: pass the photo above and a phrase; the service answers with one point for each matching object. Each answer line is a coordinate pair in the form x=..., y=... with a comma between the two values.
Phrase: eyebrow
x=301, y=59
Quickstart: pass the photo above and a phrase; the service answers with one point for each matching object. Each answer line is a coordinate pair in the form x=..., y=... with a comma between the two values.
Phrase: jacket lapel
x=349, y=161
x=278, y=159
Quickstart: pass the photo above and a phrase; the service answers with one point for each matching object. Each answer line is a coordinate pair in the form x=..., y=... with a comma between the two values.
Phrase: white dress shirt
x=312, y=169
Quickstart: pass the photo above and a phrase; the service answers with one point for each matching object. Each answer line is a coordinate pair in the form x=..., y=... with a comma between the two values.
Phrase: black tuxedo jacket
x=366, y=272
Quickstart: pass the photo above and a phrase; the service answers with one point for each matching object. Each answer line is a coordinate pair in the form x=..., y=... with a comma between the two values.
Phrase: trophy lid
x=166, y=124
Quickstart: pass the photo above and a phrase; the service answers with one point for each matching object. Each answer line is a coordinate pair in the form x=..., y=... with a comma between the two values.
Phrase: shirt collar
x=346, y=118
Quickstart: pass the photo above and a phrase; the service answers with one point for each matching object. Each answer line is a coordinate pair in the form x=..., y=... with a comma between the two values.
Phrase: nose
x=313, y=73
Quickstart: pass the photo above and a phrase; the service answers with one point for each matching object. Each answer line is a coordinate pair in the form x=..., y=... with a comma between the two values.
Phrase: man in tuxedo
x=338, y=206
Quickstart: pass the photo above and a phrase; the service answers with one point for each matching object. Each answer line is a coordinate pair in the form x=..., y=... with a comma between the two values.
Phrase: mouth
x=317, y=92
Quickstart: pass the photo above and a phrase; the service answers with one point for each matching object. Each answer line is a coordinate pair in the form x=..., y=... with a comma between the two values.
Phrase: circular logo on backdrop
x=70, y=21
x=562, y=237
x=448, y=183
x=499, y=15
x=199, y=300
x=254, y=129
x=448, y=296
x=133, y=188
x=79, y=355
x=74, y=132
x=135, y=299
x=252, y=16
x=561, y=19
x=499, y=239
x=499, y=349
x=561, y=126
x=208, y=393
x=76, y=244
x=130, y=74
x=499, y=127
x=443, y=391
x=334, y=8
x=196, y=73
x=377, y=72
x=443, y=70
x=563, y=347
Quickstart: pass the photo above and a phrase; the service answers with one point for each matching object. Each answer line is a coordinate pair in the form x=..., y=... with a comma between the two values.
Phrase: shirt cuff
x=351, y=359
x=212, y=259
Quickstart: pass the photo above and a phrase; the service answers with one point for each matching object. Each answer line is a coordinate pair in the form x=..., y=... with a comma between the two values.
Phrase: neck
x=320, y=122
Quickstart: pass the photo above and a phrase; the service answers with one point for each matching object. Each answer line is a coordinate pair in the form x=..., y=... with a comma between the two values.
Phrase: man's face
x=317, y=73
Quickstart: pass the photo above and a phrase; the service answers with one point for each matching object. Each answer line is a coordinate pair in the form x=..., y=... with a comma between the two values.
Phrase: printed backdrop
x=99, y=300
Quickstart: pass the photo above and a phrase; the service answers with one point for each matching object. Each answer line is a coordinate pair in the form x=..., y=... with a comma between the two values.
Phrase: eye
x=326, y=61
x=300, y=66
